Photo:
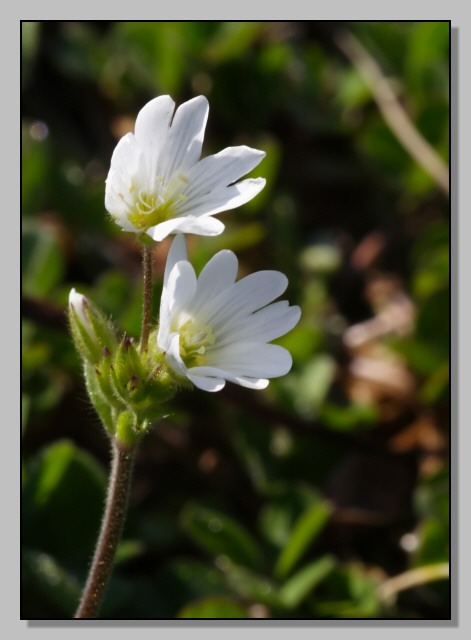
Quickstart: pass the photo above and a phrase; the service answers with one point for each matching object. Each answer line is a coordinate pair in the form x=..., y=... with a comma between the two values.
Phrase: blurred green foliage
x=301, y=500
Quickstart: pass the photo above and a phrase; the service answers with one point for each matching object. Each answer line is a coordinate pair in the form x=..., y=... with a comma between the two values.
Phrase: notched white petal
x=176, y=253
x=222, y=169
x=223, y=198
x=245, y=296
x=183, y=144
x=217, y=275
x=153, y=122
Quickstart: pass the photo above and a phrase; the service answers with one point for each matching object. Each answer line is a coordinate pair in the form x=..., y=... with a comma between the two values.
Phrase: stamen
x=194, y=341
x=151, y=207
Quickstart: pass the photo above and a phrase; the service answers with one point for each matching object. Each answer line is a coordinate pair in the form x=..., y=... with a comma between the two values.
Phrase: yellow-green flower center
x=149, y=208
x=194, y=341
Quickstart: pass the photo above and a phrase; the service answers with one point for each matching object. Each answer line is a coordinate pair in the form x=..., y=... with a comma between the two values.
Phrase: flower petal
x=251, y=359
x=242, y=298
x=124, y=165
x=176, y=253
x=203, y=226
x=117, y=207
x=264, y=325
x=125, y=159
x=222, y=199
x=221, y=169
x=152, y=127
x=214, y=373
x=206, y=383
x=181, y=286
x=182, y=147
x=217, y=275
x=172, y=355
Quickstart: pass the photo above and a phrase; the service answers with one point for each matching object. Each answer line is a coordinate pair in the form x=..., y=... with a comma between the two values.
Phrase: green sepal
x=92, y=334
x=127, y=370
x=100, y=402
x=141, y=383
x=87, y=347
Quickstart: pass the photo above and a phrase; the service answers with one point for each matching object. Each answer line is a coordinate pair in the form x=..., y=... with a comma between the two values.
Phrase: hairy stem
x=111, y=528
x=147, y=302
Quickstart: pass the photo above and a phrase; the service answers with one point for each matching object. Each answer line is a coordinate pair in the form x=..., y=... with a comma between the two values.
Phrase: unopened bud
x=78, y=304
x=93, y=334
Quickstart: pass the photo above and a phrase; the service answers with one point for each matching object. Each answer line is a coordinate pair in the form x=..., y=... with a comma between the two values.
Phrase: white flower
x=214, y=329
x=157, y=183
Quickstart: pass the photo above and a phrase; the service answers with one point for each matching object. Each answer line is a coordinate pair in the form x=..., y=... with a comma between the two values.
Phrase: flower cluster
x=212, y=329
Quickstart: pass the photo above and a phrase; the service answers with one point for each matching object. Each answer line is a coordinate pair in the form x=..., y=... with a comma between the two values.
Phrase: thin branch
x=413, y=578
x=393, y=112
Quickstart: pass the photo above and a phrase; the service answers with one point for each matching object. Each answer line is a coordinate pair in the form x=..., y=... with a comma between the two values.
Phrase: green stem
x=111, y=528
x=147, y=302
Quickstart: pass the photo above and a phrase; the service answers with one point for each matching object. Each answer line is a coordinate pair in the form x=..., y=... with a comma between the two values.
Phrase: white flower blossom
x=157, y=183
x=214, y=329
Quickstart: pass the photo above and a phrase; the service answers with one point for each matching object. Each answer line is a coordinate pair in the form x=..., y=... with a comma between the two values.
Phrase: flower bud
x=138, y=382
x=93, y=334
x=127, y=369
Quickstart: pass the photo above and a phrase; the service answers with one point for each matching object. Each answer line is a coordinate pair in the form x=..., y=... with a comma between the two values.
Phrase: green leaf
x=299, y=586
x=352, y=593
x=247, y=584
x=301, y=342
x=128, y=550
x=183, y=581
x=436, y=386
x=213, y=608
x=236, y=238
x=352, y=416
x=42, y=260
x=219, y=534
x=25, y=410
x=304, y=533
x=233, y=40
x=423, y=357
x=41, y=574
x=30, y=39
x=432, y=496
x=353, y=91
x=62, y=504
x=434, y=540
x=287, y=503
x=312, y=384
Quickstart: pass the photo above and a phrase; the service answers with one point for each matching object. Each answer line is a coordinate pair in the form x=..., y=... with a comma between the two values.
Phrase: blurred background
x=325, y=496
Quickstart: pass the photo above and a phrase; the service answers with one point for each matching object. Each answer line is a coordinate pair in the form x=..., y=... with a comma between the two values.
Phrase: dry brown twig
x=393, y=113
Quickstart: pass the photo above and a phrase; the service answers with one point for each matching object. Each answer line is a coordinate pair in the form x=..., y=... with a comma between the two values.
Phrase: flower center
x=194, y=340
x=150, y=207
